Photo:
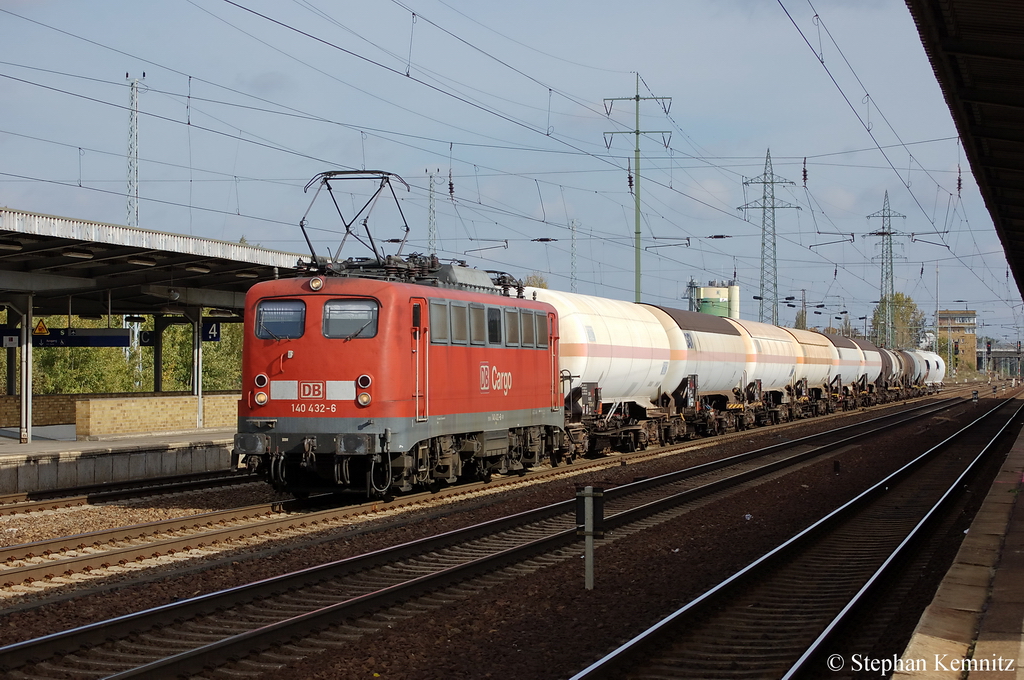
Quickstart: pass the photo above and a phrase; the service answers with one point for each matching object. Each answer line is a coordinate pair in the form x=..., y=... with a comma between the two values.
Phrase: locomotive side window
x=460, y=324
x=279, y=319
x=542, y=329
x=494, y=326
x=512, y=327
x=438, y=322
x=350, y=319
x=477, y=325
x=528, y=329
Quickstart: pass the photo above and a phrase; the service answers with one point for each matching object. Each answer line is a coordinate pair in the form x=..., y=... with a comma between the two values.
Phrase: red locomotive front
x=374, y=385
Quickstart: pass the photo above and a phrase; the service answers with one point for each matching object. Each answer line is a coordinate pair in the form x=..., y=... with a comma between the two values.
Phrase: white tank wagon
x=872, y=368
x=818, y=361
x=619, y=345
x=633, y=374
x=614, y=357
x=928, y=368
x=773, y=354
x=711, y=357
x=937, y=373
x=816, y=386
x=705, y=346
x=892, y=369
x=913, y=367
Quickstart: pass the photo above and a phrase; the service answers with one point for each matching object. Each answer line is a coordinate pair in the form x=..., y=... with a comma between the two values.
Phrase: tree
x=801, y=319
x=907, y=319
x=80, y=370
x=536, y=280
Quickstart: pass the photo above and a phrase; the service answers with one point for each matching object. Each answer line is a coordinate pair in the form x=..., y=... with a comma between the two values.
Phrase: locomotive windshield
x=279, y=319
x=350, y=319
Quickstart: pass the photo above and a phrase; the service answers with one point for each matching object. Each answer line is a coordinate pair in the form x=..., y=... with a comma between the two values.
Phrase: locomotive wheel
x=434, y=486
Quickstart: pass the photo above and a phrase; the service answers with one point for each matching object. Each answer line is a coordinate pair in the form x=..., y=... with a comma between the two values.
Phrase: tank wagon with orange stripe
x=391, y=375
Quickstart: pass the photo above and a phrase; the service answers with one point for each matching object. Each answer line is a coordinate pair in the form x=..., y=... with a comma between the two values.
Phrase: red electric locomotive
x=378, y=384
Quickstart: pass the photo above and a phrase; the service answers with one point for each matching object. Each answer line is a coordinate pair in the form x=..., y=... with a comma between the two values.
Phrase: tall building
x=959, y=327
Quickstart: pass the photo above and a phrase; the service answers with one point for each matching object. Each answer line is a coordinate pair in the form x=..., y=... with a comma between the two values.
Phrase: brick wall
x=128, y=415
x=119, y=411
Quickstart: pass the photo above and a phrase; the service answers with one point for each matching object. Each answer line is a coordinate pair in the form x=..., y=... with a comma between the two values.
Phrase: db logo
x=311, y=390
x=485, y=377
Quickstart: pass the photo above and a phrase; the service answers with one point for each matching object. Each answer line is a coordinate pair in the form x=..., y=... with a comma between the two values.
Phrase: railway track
x=777, y=616
x=421, y=574
x=38, y=501
x=94, y=552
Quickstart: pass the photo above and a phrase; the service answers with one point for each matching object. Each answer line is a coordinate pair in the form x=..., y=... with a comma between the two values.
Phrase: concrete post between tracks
x=589, y=524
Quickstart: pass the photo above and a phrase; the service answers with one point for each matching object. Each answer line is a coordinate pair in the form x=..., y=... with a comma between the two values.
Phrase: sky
x=507, y=106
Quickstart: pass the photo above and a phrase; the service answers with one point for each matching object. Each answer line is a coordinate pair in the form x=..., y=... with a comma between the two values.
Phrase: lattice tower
x=886, y=334
x=769, y=309
x=133, y=153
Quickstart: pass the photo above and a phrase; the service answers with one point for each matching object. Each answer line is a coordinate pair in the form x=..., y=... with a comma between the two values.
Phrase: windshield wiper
x=361, y=329
x=266, y=328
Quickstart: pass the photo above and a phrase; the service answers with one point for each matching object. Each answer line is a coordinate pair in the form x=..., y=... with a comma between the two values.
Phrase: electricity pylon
x=769, y=273
x=886, y=335
x=133, y=152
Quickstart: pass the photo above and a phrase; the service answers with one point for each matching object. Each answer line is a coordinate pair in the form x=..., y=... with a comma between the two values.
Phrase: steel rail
x=606, y=666
x=96, y=633
x=69, y=565
x=882, y=571
x=34, y=501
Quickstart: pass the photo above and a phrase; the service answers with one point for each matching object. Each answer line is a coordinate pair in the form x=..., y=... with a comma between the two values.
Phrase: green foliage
x=908, y=321
x=536, y=280
x=80, y=370
x=222, y=361
x=801, y=319
x=97, y=370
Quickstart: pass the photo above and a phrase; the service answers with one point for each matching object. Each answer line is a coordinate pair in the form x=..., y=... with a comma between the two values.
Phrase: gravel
x=544, y=625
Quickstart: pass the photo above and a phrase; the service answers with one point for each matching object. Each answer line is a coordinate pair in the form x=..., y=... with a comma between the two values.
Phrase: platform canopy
x=92, y=268
x=976, y=48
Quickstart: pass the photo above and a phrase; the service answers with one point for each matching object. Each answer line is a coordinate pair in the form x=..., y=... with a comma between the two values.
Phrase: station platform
x=53, y=459
x=973, y=626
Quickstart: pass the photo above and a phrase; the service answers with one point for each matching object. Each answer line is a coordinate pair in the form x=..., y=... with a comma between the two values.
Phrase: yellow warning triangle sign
x=41, y=329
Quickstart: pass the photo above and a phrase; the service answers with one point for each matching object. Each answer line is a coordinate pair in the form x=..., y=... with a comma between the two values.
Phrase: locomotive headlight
x=363, y=399
x=364, y=381
x=260, y=380
x=316, y=283
x=261, y=398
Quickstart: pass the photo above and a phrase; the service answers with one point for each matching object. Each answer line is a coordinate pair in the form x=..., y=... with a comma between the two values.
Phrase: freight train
x=390, y=374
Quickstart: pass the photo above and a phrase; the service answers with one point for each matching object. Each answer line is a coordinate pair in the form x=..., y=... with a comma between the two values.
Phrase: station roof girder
x=95, y=268
x=976, y=48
